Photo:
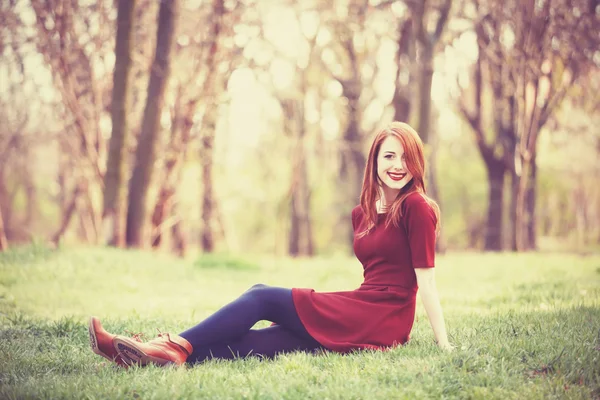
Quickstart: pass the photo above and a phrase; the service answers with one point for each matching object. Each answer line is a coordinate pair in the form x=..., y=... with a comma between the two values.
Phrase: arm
x=431, y=302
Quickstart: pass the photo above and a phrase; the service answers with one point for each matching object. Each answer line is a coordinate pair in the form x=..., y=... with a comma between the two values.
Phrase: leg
x=234, y=320
x=228, y=325
x=266, y=342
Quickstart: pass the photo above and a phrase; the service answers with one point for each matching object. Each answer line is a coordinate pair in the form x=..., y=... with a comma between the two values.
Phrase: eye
x=388, y=156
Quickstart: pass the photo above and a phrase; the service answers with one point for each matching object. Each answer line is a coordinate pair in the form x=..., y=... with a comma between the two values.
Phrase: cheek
x=384, y=164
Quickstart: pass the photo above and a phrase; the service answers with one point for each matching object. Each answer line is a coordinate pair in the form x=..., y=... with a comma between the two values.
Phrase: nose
x=398, y=165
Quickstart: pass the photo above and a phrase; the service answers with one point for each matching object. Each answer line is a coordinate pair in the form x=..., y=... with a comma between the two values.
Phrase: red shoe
x=164, y=350
x=102, y=342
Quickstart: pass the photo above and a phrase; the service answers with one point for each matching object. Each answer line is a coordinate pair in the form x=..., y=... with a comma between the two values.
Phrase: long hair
x=415, y=163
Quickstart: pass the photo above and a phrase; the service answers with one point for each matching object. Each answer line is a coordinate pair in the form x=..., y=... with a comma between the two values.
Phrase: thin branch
x=441, y=23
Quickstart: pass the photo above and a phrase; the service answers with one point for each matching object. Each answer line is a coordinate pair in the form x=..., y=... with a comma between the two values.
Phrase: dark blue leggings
x=227, y=335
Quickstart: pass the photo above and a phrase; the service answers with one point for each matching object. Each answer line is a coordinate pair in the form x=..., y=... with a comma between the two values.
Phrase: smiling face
x=391, y=167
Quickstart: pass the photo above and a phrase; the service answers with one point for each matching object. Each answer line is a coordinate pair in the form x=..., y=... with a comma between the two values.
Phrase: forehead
x=391, y=144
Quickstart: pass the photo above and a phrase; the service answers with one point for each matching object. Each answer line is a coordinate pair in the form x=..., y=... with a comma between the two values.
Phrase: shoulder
x=356, y=212
x=357, y=216
x=416, y=204
x=415, y=200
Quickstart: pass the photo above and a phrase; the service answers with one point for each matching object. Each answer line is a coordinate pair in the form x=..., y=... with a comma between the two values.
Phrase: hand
x=446, y=347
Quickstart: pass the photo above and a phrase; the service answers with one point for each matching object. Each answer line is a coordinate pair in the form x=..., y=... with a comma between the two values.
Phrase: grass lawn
x=525, y=326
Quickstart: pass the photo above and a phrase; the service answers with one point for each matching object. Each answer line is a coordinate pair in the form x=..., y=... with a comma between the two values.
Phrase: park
x=160, y=158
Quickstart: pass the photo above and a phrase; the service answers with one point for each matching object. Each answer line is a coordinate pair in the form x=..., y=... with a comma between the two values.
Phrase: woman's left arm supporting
x=431, y=302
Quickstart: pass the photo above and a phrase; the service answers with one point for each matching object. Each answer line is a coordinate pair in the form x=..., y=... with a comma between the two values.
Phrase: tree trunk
x=146, y=149
x=424, y=128
x=530, y=206
x=68, y=212
x=113, y=215
x=94, y=221
x=300, y=238
x=31, y=196
x=425, y=82
x=512, y=215
x=352, y=165
x=509, y=145
x=427, y=42
x=211, y=91
x=179, y=242
x=404, y=56
x=208, y=139
x=493, y=232
x=3, y=240
x=161, y=210
x=520, y=209
x=294, y=236
x=166, y=205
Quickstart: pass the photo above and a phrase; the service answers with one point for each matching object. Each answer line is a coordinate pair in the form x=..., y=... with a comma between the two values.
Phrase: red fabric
x=380, y=313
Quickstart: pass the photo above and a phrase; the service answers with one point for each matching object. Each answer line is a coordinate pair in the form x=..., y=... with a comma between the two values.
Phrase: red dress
x=380, y=313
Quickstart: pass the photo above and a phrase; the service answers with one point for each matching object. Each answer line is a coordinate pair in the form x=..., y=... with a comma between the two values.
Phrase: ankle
x=180, y=342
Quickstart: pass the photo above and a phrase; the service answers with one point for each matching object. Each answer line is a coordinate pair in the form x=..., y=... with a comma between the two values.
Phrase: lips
x=396, y=177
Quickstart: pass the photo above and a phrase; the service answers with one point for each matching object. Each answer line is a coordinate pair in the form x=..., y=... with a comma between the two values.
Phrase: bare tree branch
x=443, y=18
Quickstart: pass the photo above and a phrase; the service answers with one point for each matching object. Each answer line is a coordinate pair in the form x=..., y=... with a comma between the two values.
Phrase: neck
x=387, y=196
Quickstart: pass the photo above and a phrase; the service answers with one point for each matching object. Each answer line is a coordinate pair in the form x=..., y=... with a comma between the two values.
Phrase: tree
x=211, y=92
x=194, y=103
x=300, y=240
x=556, y=45
x=15, y=147
x=3, y=240
x=495, y=153
x=114, y=189
x=146, y=149
x=405, y=63
x=529, y=55
x=73, y=50
x=351, y=53
x=426, y=44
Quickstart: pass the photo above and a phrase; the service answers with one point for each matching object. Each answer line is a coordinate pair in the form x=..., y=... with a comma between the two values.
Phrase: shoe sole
x=133, y=355
x=94, y=341
x=94, y=344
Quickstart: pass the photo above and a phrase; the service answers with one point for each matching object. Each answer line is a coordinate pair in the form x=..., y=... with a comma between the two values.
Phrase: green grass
x=524, y=326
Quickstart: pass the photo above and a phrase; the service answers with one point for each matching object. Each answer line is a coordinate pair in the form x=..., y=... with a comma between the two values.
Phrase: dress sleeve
x=420, y=222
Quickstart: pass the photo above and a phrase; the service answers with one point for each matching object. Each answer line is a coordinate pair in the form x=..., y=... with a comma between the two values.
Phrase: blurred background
x=243, y=125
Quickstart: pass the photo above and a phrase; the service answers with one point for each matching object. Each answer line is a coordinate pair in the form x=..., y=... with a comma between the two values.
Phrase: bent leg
x=233, y=321
x=266, y=343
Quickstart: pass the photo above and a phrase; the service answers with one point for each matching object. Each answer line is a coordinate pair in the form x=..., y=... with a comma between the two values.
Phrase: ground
x=525, y=326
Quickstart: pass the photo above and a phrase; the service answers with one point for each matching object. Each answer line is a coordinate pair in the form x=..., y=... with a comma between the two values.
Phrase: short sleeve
x=420, y=222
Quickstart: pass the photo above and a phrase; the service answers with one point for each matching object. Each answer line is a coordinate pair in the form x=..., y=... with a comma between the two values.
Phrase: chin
x=395, y=185
x=398, y=185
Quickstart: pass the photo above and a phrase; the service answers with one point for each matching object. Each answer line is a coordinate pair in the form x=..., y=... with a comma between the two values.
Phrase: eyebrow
x=389, y=151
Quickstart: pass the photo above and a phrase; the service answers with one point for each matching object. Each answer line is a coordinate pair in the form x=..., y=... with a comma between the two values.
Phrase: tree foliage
x=270, y=107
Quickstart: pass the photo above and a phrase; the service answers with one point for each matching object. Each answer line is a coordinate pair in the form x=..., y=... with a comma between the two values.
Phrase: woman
x=395, y=227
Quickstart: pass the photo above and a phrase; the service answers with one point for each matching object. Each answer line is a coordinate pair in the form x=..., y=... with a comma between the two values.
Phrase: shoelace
x=138, y=337
x=163, y=335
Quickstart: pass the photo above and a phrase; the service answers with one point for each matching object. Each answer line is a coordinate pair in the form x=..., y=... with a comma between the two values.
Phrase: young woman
x=395, y=227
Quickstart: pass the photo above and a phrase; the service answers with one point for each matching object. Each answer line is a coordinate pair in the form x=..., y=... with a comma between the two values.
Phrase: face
x=391, y=166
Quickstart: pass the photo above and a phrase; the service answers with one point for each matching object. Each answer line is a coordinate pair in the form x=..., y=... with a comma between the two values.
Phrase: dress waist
x=386, y=287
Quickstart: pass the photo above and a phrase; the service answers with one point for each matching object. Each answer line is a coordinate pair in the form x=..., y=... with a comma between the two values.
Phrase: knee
x=258, y=291
x=257, y=287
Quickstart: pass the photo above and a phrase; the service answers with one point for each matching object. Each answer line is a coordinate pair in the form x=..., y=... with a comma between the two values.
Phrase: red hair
x=415, y=163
